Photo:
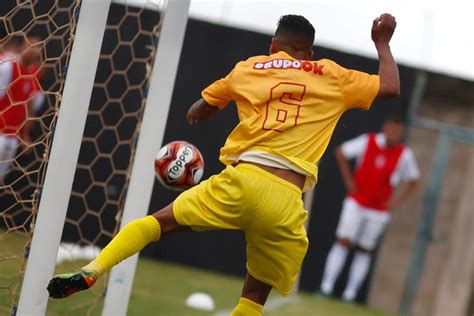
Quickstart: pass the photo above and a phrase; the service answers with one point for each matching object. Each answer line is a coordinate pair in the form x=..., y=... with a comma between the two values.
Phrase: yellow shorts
x=267, y=208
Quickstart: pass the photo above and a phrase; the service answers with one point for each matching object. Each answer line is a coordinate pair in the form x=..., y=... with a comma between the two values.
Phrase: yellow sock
x=130, y=240
x=247, y=307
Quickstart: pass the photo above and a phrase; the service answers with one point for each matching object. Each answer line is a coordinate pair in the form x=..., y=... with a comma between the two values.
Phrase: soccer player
x=19, y=92
x=288, y=107
x=382, y=161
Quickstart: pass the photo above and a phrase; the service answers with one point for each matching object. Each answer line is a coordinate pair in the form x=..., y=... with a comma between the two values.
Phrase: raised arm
x=200, y=111
x=382, y=31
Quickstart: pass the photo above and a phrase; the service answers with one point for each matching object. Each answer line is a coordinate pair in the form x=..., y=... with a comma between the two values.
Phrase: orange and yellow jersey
x=288, y=108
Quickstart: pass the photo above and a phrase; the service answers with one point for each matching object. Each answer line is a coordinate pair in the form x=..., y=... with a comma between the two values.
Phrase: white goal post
x=149, y=141
x=63, y=157
x=67, y=142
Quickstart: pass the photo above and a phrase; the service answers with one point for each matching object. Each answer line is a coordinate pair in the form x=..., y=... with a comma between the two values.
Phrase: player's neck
x=292, y=53
x=392, y=144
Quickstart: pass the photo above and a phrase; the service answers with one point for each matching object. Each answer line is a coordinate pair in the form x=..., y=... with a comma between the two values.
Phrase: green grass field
x=162, y=288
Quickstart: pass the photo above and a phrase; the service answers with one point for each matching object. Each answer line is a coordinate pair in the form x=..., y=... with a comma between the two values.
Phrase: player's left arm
x=36, y=98
x=214, y=98
x=383, y=28
x=410, y=174
x=200, y=111
x=360, y=89
x=25, y=131
x=407, y=191
x=351, y=149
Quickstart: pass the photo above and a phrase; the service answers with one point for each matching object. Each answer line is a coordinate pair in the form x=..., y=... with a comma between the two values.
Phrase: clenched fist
x=383, y=28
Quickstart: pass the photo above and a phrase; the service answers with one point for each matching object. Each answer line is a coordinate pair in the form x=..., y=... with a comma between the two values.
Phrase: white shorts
x=362, y=226
x=8, y=148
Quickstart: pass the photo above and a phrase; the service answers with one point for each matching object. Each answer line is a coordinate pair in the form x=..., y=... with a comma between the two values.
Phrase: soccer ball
x=179, y=165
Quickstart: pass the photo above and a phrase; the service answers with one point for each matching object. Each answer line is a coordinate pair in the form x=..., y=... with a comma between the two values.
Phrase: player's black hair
x=396, y=117
x=297, y=26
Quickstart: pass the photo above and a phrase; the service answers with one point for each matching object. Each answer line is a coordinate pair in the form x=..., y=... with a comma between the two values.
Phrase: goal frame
x=67, y=141
x=63, y=156
x=150, y=139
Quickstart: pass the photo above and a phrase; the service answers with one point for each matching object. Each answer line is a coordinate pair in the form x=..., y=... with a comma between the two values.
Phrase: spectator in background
x=19, y=91
x=382, y=161
x=15, y=47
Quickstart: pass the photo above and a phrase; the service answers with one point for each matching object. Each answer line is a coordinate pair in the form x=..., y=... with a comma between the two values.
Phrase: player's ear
x=274, y=46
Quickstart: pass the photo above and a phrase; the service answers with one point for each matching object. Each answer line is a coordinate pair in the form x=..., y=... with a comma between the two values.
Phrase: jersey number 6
x=283, y=107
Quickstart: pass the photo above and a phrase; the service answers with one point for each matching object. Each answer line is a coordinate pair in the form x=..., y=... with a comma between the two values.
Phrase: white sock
x=334, y=263
x=359, y=268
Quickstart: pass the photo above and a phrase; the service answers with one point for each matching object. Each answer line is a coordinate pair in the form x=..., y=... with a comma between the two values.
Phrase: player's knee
x=345, y=242
x=167, y=221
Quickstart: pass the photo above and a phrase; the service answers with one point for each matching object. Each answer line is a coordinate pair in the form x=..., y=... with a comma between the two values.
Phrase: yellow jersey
x=288, y=108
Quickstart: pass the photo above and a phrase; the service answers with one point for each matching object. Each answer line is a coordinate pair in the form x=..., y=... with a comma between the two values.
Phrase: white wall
x=432, y=35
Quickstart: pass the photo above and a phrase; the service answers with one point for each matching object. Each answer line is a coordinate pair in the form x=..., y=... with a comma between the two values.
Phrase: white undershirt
x=270, y=160
x=406, y=169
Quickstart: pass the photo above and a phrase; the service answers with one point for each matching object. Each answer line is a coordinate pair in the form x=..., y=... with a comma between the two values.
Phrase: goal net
x=107, y=149
x=25, y=143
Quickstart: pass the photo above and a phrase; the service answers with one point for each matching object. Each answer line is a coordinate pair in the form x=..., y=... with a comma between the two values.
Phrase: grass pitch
x=162, y=288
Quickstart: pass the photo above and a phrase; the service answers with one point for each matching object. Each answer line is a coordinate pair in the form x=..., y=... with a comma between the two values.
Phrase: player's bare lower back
x=288, y=175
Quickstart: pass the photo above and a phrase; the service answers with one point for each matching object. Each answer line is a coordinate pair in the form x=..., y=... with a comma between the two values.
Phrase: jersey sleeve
x=219, y=93
x=5, y=76
x=355, y=148
x=358, y=88
x=410, y=171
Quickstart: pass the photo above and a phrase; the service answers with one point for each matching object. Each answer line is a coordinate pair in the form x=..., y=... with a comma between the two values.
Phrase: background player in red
x=382, y=162
x=19, y=92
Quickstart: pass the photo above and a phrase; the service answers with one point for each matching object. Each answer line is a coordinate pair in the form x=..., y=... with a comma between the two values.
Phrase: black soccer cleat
x=64, y=285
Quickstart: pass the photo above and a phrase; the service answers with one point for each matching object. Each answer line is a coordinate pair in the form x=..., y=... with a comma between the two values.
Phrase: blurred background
x=425, y=263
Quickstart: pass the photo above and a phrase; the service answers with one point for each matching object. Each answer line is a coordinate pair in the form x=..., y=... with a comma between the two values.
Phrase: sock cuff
x=251, y=304
x=94, y=266
x=153, y=227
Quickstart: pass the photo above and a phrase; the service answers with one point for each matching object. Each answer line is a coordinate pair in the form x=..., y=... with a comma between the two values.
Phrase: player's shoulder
x=7, y=63
x=329, y=66
x=408, y=152
x=7, y=57
x=252, y=60
x=257, y=57
x=328, y=63
x=360, y=139
x=247, y=64
x=408, y=160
